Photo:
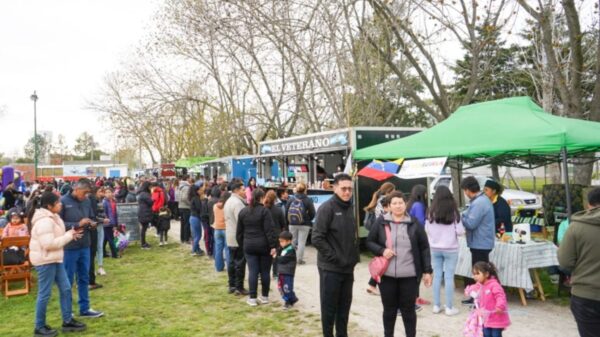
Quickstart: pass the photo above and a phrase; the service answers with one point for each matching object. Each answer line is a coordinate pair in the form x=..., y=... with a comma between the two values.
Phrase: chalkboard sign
x=128, y=215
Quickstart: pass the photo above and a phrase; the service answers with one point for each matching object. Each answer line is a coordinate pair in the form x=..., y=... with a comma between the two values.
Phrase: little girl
x=491, y=311
x=121, y=238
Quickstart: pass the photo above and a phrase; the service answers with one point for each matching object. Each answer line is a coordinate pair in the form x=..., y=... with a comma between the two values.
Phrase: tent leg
x=566, y=177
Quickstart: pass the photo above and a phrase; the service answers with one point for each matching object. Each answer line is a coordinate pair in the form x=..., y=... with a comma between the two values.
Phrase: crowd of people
x=74, y=226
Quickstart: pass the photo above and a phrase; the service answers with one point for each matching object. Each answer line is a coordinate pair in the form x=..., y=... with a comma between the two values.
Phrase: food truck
x=315, y=159
x=242, y=167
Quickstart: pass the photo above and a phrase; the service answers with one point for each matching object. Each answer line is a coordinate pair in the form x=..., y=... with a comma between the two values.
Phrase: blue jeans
x=47, y=275
x=492, y=332
x=196, y=227
x=221, y=250
x=100, y=249
x=443, y=263
x=78, y=261
x=286, y=288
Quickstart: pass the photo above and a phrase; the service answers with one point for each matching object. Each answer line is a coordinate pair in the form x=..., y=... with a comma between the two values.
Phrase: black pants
x=399, y=293
x=236, y=269
x=174, y=208
x=336, y=299
x=145, y=226
x=93, y=250
x=587, y=315
x=110, y=239
x=185, y=232
x=259, y=264
x=477, y=255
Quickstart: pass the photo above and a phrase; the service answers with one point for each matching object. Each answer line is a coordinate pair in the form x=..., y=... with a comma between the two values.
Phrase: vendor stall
x=227, y=168
x=315, y=159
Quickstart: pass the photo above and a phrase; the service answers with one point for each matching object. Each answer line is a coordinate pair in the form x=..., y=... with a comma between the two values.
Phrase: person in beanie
x=493, y=190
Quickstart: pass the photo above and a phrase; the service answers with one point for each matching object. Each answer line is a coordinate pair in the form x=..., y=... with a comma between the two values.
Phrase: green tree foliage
x=506, y=75
x=44, y=147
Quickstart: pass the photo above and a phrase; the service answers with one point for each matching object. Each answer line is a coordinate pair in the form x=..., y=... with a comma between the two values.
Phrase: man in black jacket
x=336, y=238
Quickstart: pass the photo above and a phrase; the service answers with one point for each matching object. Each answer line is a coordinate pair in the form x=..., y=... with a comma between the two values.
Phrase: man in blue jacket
x=77, y=213
x=480, y=224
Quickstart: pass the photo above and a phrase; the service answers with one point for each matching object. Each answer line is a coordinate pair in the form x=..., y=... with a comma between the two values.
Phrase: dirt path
x=538, y=319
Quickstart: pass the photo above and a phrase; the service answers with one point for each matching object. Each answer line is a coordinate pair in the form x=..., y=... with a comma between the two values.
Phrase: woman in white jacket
x=48, y=237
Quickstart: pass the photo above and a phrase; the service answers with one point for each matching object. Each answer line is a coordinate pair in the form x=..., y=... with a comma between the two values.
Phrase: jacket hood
x=590, y=216
x=387, y=217
x=41, y=213
x=300, y=196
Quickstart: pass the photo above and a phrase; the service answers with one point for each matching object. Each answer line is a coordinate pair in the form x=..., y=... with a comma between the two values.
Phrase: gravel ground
x=538, y=319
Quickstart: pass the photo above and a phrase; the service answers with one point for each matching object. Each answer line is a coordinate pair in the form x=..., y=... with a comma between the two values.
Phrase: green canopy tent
x=511, y=132
x=191, y=161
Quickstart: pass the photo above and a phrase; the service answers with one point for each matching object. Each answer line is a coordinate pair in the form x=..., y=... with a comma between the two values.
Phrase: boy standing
x=286, y=266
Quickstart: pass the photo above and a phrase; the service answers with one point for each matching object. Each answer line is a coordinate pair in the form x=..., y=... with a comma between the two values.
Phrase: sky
x=62, y=49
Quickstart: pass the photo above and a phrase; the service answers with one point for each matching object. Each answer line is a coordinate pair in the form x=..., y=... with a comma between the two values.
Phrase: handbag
x=379, y=264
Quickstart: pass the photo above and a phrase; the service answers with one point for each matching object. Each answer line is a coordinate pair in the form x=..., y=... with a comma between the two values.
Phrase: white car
x=516, y=199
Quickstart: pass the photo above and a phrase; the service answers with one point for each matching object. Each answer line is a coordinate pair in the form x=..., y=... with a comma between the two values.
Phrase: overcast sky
x=62, y=49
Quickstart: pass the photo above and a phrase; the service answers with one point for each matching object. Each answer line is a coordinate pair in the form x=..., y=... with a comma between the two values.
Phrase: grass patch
x=164, y=292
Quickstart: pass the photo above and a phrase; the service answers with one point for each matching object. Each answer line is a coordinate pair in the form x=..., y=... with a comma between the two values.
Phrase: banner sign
x=309, y=143
x=422, y=168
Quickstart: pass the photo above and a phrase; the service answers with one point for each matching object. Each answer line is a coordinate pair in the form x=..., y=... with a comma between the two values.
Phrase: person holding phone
x=77, y=214
x=48, y=237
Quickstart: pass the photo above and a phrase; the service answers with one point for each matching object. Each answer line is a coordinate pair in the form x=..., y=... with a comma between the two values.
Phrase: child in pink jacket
x=490, y=299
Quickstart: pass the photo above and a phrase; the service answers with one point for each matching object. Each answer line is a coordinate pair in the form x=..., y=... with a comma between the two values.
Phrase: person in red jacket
x=158, y=198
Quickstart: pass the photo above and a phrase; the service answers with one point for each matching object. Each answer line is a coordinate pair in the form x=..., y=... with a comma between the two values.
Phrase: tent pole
x=566, y=177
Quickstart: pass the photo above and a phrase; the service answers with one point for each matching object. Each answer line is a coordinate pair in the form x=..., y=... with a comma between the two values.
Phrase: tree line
x=216, y=77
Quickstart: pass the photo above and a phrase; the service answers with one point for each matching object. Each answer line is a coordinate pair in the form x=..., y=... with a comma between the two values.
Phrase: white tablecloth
x=513, y=261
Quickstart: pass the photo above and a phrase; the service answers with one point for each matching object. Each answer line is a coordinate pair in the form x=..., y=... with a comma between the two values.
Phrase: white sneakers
x=447, y=311
x=101, y=271
x=452, y=311
x=256, y=301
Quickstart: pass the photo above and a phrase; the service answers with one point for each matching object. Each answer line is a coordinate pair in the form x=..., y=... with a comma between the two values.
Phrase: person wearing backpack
x=300, y=213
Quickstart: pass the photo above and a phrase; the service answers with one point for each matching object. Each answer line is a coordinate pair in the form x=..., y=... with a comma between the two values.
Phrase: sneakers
x=91, y=313
x=467, y=302
x=72, y=326
x=418, y=308
x=373, y=291
x=436, y=309
x=101, y=271
x=452, y=311
x=240, y=292
x=145, y=246
x=263, y=300
x=288, y=306
x=252, y=302
x=45, y=331
x=301, y=262
x=161, y=244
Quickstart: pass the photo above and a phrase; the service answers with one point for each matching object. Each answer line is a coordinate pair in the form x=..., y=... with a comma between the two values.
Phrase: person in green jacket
x=579, y=253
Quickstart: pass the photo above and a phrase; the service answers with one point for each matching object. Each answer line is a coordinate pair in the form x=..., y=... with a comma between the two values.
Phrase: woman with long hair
x=417, y=203
x=382, y=192
x=249, y=189
x=48, y=237
x=145, y=214
x=279, y=223
x=256, y=234
x=443, y=226
x=197, y=211
x=409, y=260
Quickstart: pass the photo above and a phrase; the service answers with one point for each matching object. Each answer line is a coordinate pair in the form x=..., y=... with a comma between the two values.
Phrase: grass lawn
x=164, y=292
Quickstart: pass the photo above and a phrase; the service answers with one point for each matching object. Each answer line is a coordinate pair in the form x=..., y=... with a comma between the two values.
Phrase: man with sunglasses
x=77, y=213
x=336, y=239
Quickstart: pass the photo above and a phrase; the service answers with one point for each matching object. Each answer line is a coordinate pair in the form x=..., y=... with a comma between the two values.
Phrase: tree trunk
x=582, y=173
x=456, y=174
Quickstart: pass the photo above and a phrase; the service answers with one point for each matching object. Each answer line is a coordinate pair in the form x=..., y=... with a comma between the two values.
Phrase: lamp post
x=34, y=98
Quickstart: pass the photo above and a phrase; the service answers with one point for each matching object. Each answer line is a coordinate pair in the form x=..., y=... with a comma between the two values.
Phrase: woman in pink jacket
x=48, y=237
x=490, y=299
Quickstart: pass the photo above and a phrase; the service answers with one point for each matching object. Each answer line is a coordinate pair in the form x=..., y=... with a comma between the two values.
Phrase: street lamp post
x=34, y=98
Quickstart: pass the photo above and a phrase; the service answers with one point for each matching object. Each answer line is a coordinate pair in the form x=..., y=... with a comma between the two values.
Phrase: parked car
x=516, y=199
